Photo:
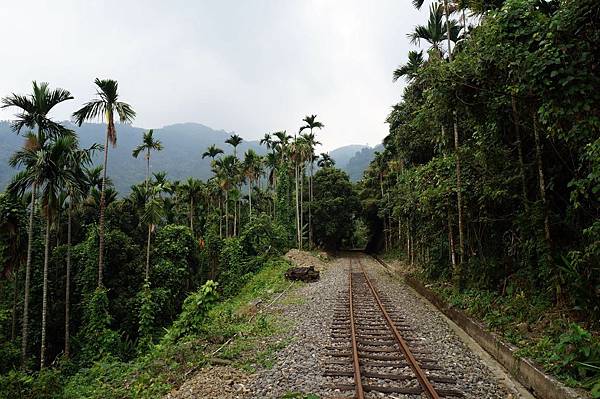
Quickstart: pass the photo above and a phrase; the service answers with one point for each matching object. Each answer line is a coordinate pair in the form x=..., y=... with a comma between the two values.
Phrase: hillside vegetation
x=489, y=180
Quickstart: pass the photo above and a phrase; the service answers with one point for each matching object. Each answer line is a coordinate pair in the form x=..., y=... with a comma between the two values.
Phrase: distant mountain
x=342, y=155
x=181, y=157
x=360, y=161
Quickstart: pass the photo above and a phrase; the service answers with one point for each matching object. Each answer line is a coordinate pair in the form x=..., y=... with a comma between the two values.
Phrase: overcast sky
x=249, y=66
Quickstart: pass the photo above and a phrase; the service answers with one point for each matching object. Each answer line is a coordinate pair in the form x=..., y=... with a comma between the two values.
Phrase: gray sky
x=250, y=66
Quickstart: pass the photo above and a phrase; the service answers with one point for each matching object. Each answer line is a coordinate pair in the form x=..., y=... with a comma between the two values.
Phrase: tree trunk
x=448, y=29
x=297, y=207
x=148, y=253
x=147, y=168
x=192, y=214
x=459, y=200
x=517, y=125
x=235, y=211
x=250, y=196
x=45, y=293
x=13, y=330
x=456, y=268
x=68, y=283
x=226, y=213
x=310, y=200
x=25, y=326
x=220, y=219
x=542, y=184
x=301, y=178
x=101, y=223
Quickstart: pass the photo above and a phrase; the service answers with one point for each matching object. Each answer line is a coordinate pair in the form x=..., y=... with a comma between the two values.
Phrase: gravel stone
x=299, y=367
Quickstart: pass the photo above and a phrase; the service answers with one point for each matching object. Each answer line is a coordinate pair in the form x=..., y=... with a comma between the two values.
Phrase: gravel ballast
x=309, y=311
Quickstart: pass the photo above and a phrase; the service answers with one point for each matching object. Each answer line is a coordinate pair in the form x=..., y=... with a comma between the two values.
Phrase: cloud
x=244, y=66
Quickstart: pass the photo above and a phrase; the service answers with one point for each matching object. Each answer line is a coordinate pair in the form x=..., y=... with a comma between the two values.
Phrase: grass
x=167, y=365
x=540, y=331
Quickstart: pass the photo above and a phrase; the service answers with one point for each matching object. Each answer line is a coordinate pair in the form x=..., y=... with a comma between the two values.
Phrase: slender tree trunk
x=250, y=196
x=456, y=269
x=45, y=294
x=68, y=283
x=101, y=223
x=148, y=253
x=542, y=184
x=448, y=29
x=147, y=168
x=13, y=330
x=310, y=200
x=407, y=238
x=25, y=325
x=227, y=213
x=461, y=230
x=297, y=207
x=220, y=219
x=235, y=206
x=517, y=125
x=192, y=214
x=301, y=178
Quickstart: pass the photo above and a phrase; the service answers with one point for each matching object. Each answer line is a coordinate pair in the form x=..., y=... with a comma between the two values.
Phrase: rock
x=306, y=274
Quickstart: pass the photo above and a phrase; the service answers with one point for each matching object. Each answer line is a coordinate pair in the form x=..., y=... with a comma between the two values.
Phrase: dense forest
x=489, y=179
x=89, y=276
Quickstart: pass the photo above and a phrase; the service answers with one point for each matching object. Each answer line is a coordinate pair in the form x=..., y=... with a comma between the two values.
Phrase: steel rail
x=357, y=374
x=414, y=365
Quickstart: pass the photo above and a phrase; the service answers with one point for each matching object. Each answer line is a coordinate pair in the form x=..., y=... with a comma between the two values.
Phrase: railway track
x=374, y=352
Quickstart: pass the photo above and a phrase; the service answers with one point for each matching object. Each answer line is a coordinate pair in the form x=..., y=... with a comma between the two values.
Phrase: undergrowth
x=541, y=331
x=202, y=327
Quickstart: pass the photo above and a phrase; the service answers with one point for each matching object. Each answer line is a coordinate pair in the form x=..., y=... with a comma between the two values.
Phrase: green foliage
x=194, y=312
x=263, y=236
x=147, y=310
x=577, y=354
x=284, y=205
x=335, y=206
x=46, y=384
x=96, y=338
x=233, y=266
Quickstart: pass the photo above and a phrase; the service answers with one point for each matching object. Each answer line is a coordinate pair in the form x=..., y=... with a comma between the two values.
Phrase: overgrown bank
x=488, y=180
x=203, y=326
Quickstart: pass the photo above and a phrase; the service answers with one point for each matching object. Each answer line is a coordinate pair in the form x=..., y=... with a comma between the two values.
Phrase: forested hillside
x=184, y=144
x=93, y=280
x=489, y=180
x=182, y=157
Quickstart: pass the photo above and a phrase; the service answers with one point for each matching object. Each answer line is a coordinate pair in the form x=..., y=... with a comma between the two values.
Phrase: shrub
x=194, y=312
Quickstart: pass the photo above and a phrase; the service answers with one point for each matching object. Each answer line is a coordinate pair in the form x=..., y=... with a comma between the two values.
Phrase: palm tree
x=225, y=170
x=252, y=168
x=192, y=190
x=34, y=110
x=212, y=152
x=434, y=32
x=234, y=140
x=104, y=107
x=267, y=141
x=153, y=211
x=148, y=144
x=411, y=68
x=311, y=123
x=47, y=166
x=326, y=161
x=76, y=161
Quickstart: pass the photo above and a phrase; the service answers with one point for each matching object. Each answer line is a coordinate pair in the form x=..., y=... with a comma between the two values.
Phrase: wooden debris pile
x=306, y=274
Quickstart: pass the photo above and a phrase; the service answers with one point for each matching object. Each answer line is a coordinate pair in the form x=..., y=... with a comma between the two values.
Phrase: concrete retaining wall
x=525, y=371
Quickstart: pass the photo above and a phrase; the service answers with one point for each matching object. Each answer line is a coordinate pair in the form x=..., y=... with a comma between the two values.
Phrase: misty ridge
x=181, y=158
